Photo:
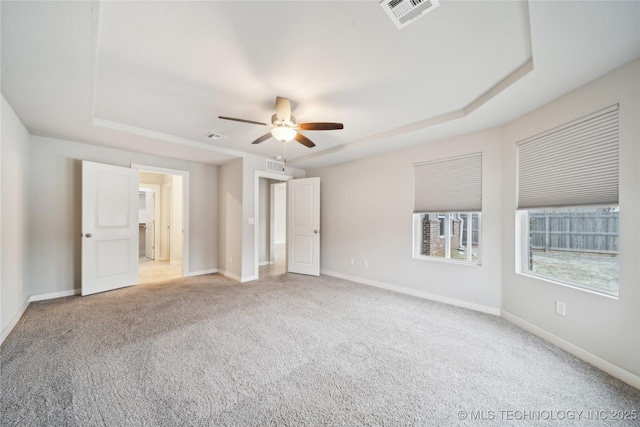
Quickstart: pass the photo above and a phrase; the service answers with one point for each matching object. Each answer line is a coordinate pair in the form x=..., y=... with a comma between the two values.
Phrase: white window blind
x=448, y=185
x=574, y=165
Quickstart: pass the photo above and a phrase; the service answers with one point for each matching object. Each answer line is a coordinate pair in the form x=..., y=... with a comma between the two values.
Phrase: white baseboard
x=40, y=297
x=14, y=321
x=416, y=293
x=52, y=295
x=230, y=275
x=236, y=277
x=600, y=363
x=261, y=263
x=202, y=272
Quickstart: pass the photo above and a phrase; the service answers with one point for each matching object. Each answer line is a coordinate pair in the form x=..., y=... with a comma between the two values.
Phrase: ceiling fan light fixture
x=283, y=134
x=284, y=126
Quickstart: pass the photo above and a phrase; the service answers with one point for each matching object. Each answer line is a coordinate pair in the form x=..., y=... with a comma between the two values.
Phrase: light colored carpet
x=286, y=350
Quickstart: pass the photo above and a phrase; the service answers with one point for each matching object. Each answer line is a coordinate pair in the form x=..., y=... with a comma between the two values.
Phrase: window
x=460, y=243
x=442, y=218
x=447, y=204
x=577, y=246
x=568, y=203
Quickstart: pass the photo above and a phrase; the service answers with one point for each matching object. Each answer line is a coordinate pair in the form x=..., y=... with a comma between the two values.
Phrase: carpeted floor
x=289, y=350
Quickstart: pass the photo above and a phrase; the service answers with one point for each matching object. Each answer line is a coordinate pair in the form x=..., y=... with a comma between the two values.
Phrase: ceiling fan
x=284, y=126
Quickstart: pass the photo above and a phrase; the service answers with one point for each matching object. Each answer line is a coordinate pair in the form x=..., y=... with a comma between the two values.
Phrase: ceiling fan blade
x=320, y=126
x=242, y=120
x=262, y=138
x=304, y=140
x=283, y=109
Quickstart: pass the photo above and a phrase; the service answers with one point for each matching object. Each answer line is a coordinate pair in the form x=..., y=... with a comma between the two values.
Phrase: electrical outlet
x=365, y=264
x=352, y=261
x=20, y=284
x=561, y=308
x=230, y=259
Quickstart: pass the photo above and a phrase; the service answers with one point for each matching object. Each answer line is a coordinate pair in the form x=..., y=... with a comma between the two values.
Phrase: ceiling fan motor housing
x=276, y=122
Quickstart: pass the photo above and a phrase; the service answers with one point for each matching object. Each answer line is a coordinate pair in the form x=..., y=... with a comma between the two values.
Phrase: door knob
x=315, y=231
x=88, y=235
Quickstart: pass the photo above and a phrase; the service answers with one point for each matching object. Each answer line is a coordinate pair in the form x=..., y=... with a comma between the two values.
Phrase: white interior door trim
x=256, y=215
x=185, y=207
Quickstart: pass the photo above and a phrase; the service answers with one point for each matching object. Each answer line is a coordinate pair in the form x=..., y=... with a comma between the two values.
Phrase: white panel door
x=303, y=219
x=150, y=226
x=109, y=227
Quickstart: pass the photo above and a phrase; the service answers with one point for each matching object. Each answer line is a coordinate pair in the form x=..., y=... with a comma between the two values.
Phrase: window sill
x=568, y=285
x=446, y=260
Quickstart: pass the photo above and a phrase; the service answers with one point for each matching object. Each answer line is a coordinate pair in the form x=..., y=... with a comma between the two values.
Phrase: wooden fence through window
x=593, y=231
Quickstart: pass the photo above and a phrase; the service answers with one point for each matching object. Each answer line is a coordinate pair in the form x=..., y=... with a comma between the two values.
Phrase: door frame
x=185, y=207
x=256, y=217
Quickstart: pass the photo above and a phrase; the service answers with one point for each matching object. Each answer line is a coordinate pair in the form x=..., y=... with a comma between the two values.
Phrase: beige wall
x=367, y=208
x=151, y=178
x=230, y=219
x=14, y=164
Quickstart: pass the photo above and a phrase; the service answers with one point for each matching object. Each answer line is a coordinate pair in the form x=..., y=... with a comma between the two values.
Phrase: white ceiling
x=152, y=76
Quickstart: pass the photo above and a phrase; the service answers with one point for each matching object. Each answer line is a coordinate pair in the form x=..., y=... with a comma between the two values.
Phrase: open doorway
x=272, y=224
x=270, y=253
x=161, y=223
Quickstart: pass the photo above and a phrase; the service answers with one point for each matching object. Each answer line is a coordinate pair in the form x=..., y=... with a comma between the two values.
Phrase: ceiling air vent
x=273, y=166
x=403, y=12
